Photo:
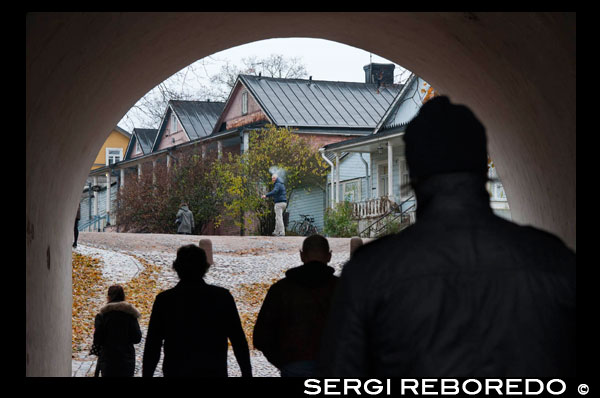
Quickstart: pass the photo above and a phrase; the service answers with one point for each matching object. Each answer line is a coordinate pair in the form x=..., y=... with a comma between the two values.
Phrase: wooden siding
x=310, y=201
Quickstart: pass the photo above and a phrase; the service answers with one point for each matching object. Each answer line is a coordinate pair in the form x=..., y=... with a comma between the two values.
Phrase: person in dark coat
x=185, y=220
x=290, y=323
x=76, y=229
x=116, y=331
x=279, y=197
x=462, y=292
x=194, y=321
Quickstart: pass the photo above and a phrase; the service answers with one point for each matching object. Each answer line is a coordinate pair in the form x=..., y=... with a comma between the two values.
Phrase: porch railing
x=372, y=208
x=401, y=211
x=97, y=223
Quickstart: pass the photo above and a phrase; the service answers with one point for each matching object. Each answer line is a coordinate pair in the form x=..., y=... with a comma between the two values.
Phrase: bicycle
x=305, y=227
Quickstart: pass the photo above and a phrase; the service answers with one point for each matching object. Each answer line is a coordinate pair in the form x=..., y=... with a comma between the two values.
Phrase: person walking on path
x=292, y=317
x=116, y=331
x=184, y=220
x=462, y=292
x=280, y=199
x=76, y=229
x=194, y=320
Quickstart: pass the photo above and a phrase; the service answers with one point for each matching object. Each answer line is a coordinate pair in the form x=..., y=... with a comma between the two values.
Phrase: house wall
x=101, y=197
x=398, y=165
x=233, y=114
x=173, y=135
x=351, y=167
x=114, y=140
x=309, y=201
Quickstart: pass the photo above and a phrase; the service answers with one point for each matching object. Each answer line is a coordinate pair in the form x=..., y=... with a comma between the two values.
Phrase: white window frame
x=244, y=103
x=114, y=149
x=404, y=178
x=173, y=123
x=385, y=185
x=358, y=181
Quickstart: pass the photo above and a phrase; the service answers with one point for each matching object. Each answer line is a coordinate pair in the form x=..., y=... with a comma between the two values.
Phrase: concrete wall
x=517, y=72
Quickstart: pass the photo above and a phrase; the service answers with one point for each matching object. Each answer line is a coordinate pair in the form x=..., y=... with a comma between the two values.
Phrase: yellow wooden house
x=113, y=149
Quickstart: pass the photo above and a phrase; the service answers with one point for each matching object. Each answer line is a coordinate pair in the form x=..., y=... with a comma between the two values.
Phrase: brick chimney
x=379, y=73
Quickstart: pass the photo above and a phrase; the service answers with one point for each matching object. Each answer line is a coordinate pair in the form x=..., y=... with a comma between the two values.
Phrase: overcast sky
x=323, y=59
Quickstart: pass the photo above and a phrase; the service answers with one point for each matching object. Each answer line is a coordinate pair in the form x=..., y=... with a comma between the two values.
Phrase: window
x=113, y=155
x=173, y=123
x=405, y=188
x=244, y=103
x=351, y=190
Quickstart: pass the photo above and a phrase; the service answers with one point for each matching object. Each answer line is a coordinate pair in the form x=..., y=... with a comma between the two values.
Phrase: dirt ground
x=232, y=245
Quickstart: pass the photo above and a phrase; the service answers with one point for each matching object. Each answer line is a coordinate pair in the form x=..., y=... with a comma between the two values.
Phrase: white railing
x=371, y=208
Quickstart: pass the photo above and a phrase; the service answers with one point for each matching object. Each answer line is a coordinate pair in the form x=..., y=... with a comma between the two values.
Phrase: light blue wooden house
x=388, y=194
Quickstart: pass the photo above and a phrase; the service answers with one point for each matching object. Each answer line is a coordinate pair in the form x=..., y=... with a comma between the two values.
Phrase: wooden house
x=325, y=112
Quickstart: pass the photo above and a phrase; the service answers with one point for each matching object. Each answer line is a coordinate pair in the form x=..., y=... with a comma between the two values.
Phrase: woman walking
x=116, y=331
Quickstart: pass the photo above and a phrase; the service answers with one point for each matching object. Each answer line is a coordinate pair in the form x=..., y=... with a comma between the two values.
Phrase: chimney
x=379, y=73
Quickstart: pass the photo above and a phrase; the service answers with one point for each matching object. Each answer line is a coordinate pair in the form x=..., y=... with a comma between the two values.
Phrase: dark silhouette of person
x=462, y=292
x=290, y=323
x=194, y=321
x=116, y=331
x=76, y=229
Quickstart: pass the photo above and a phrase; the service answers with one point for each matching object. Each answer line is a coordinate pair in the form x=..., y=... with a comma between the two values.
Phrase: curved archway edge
x=84, y=71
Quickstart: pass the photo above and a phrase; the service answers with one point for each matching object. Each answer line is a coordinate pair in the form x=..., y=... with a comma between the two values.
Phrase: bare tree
x=275, y=65
x=194, y=82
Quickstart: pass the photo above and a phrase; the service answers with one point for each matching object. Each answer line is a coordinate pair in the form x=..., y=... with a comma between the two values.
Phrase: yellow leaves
x=88, y=284
x=252, y=295
x=89, y=295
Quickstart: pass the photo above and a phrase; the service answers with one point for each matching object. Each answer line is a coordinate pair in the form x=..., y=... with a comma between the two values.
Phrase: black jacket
x=116, y=331
x=461, y=293
x=194, y=320
x=291, y=320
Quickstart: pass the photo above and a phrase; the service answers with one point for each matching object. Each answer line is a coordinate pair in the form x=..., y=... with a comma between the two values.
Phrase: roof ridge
x=314, y=80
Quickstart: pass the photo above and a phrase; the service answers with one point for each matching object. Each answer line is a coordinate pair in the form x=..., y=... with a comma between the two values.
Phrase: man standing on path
x=194, y=320
x=291, y=320
x=280, y=199
x=184, y=220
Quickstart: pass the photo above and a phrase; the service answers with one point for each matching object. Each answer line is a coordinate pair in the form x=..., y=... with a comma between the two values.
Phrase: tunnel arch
x=84, y=71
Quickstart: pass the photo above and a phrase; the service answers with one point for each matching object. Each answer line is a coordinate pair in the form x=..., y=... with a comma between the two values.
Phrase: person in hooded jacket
x=292, y=317
x=185, y=220
x=116, y=331
x=461, y=292
x=194, y=320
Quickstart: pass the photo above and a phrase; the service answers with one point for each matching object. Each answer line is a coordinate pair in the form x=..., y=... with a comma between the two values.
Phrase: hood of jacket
x=185, y=208
x=311, y=274
x=122, y=306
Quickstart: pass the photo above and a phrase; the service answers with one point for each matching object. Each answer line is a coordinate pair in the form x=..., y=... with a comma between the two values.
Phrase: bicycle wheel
x=303, y=229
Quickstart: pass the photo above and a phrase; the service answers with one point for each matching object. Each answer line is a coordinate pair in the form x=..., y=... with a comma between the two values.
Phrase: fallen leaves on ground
x=89, y=296
x=252, y=294
x=88, y=293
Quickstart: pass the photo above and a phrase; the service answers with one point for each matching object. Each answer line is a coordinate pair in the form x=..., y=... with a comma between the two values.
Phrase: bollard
x=206, y=245
x=355, y=243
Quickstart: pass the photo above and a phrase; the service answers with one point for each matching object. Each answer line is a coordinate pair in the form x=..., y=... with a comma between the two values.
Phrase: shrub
x=339, y=222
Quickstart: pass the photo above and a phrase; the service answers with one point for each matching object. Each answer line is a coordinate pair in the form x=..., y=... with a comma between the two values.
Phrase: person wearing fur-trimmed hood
x=116, y=331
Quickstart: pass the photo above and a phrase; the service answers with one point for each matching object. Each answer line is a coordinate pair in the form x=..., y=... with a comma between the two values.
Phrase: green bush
x=339, y=222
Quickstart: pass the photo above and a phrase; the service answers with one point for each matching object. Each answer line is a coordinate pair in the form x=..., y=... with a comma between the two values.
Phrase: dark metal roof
x=145, y=138
x=313, y=103
x=197, y=117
